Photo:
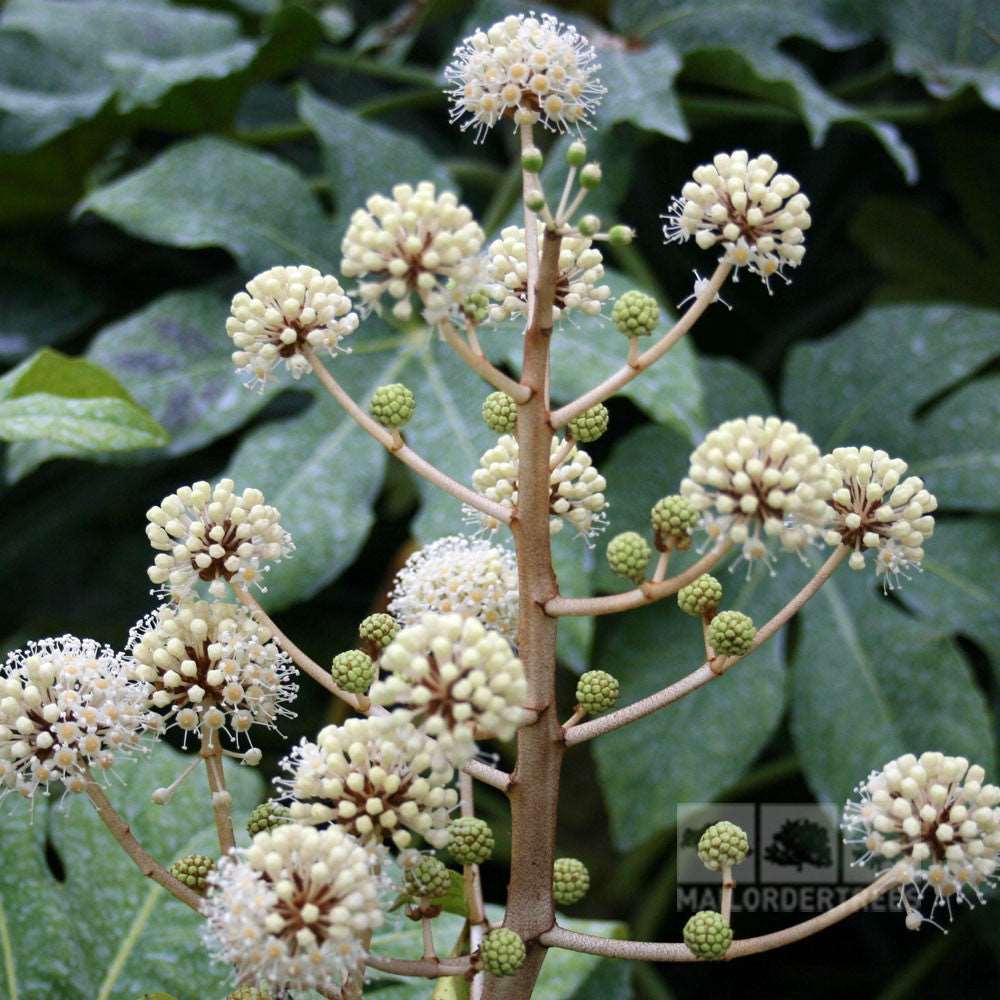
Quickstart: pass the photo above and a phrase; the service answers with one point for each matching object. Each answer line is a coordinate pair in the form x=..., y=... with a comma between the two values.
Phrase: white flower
x=580, y=270
x=459, y=574
x=454, y=679
x=66, y=705
x=414, y=242
x=874, y=507
x=933, y=822
x=757, y=478
x=211, y=667
x=577, y=487
x=213, y=535
x=756, y=215
x=293, y=910
x=379, y=778
x=529, y=68
x=286, y=308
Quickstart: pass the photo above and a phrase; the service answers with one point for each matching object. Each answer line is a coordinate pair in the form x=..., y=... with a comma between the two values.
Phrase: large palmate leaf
x=99, y=930
x=883, y=381
x=211, y=193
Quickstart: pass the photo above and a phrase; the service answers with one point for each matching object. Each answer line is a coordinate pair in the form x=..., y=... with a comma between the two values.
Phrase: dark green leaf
x=641, y=89
x=732, y=390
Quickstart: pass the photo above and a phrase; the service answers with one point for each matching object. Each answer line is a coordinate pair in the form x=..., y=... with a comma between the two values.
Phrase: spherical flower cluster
x=211, y=534
x=283, y=310
x=628, y=556
x=381, y=780
x=722, y=844
x=673, y=518
x=529, y=68
x=875, y=508
x=413, y=243
x=454, y=680
x=66, y=705
x=636, y=314
x=502, y=952
x=731, y=633
x=761, y=476
x=596, y=691
x=570, y=881
x=589, y=425
x=500, y=413
x=472, y=840
x=378, y=630
x=193, y=870
x=701, y=596
x=426, y=877
x=933, y=822
x=393, y=405
x=580, y=269
x=755, y=214
x=267, y=816
x=293, y=910
x=708, y=935
x=212, y=666
x=467, y=576
x=577, y=494
x=353, y=670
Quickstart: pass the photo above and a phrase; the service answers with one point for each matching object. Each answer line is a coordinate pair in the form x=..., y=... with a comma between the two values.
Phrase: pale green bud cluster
x=500, y=413
x=636, y=314
x=628, y=555
x=427, y=878
x=378, y=629
x=731, y=633
x=708, y=935
x=502, y=952
x=472, y=840
x=596, y=691
x=722, y=844
x=476, y=306
x=193, y=870
x=353, y=671
x=673, y=519
x=700, y=597
x=267, y=816
x=393, y=405
x=249, y=993
x=570, y=881
x=589, y=425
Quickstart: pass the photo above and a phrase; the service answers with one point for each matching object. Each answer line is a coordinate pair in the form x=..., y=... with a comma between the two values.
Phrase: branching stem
x=481, y=365
x=211, y=753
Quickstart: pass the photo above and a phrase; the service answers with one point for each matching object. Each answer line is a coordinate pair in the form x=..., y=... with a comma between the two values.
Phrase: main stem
x=534, y=787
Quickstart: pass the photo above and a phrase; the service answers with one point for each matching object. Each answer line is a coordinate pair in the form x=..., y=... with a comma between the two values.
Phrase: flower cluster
x=528, y=67
x=875, y=508
x=293, y=910
x=211, y=667
x=456, y=574
x=283, y=310
x=211, y=534
x=760, y=477
x=418, y=242
x=755, y=214
x=580, y=269
x=453, y=679
x=577, y=493
x=933, y=822
x=66, y=705
x=379, y=778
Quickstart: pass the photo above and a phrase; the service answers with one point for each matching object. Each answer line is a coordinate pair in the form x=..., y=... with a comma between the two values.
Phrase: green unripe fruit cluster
x=249, y=993
x=427, y=878
x=570, y=881
x=193, y=870
x=500, y=413
x=722, y=844
x=589, y=425
x=628, y=556
x=379, y=629
x=393, y=405
x=477, y=306
x=589, y=225
x=621, y=236
x=502, y=952
x=353, y=670
x=708, y=935
x=532, y=160
x=731, y=633
x=267, y=816
x=672, y=519
x=471, y=841
x=596, y=691
x=576, y=154
x=636, y=314
x=701, y=596
x=590, y=176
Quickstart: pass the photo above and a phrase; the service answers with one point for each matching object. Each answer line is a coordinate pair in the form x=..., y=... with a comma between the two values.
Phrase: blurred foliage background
x=155, y=155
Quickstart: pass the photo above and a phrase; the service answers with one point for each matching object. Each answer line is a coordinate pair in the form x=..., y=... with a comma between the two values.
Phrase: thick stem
x=726, y=907
x=669, y=951
x=420, y=968
x=472, y=882
x=627, y=372
x=144, y=861
x=534, y=790
x=211, y=753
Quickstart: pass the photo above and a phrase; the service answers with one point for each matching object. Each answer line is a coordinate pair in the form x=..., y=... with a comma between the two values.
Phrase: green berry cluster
x=596, y=691
x=589, y=425
x=378, y=629
x=500, y=413
x=393, y=405
x=570, y=881
x=193, y=870
x=701, y=596
x=249, y=993
x=628, y=556
x=471, y=841
x=722, y=844
x=636, y=314
x=477, y=307
x=708, y=935
x=427, y=878
x=267, y=816
x=672, y=518
x=502, y=952
x=353, y=670
x=731, y=633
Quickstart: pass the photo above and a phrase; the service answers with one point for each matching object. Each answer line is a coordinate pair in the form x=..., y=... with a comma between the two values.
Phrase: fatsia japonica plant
x=378, y=812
